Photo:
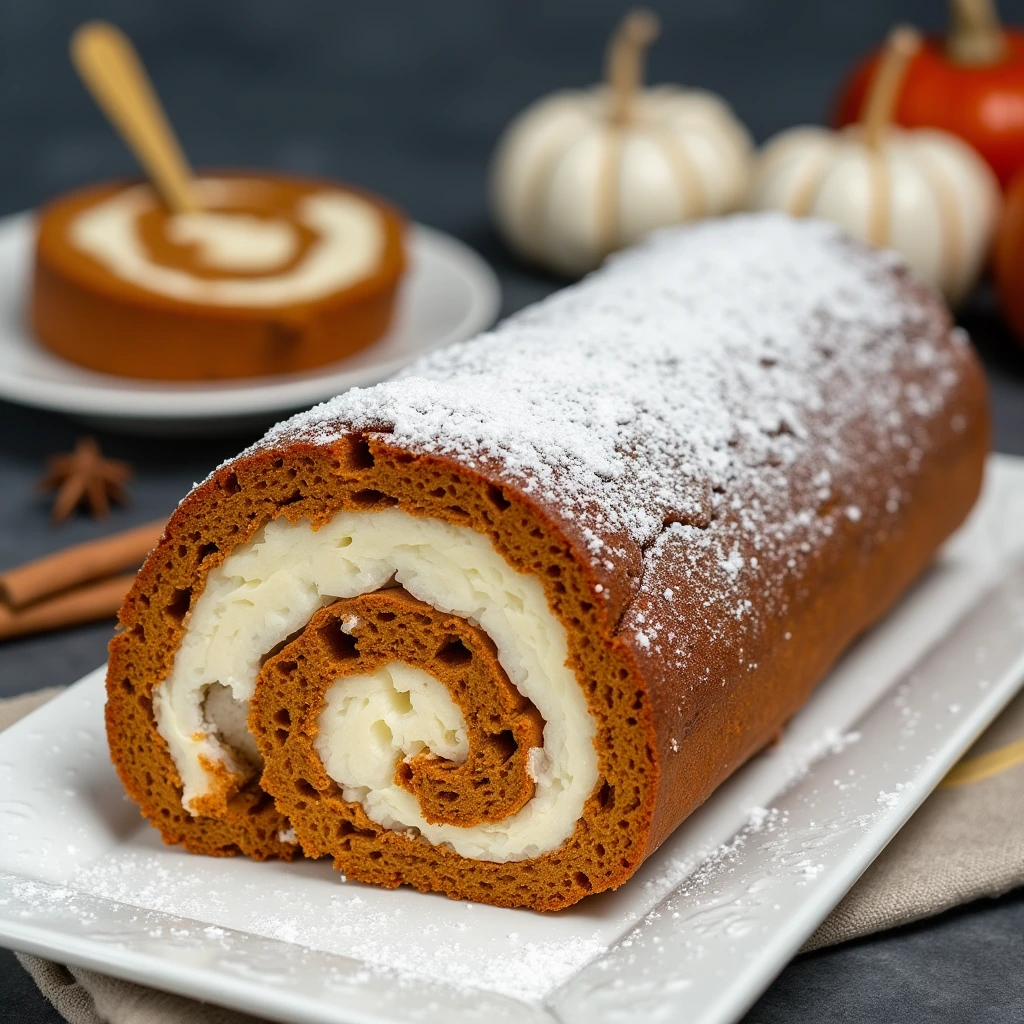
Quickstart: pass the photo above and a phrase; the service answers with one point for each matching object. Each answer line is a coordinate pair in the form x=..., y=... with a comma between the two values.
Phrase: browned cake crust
x=684, y=677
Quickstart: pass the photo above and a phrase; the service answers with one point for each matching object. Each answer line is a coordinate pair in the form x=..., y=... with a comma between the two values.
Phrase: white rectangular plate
x=697, y=934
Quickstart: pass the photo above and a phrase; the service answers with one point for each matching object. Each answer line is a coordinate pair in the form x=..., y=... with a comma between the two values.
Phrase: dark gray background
x=408, y=98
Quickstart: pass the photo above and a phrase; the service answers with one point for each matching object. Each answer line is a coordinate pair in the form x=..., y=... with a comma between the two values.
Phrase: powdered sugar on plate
x=460, y=947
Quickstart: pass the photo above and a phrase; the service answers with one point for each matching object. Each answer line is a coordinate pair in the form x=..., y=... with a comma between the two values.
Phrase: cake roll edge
x=259, y=487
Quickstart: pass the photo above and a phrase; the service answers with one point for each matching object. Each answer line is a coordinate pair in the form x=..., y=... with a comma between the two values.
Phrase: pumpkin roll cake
x=271, y=274
x=495, y=628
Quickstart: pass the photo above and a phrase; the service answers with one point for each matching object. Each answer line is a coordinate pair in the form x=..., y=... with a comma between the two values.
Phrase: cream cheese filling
x=268, y=589
x=348, y=248
x=373, y=721
x=235, y=241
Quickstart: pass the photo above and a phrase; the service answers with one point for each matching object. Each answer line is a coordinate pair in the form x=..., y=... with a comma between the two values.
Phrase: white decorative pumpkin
x=581, y=173
x=923, y=192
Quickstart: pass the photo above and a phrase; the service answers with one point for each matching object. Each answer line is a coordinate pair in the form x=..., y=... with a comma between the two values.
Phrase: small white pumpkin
x=923, y=192
x=581, y=173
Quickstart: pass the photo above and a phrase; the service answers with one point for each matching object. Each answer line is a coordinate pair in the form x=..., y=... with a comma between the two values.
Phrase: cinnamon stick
x=79, y=564
x=83, y=604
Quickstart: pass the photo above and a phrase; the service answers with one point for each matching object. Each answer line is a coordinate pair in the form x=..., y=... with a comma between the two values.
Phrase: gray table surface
x=408, y=98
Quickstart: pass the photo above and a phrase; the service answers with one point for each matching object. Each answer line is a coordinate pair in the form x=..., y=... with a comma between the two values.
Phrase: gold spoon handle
x=111, y=70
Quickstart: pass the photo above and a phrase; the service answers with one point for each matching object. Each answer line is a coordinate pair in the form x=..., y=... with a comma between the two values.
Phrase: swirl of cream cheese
x=268, y=589
x=349, y=243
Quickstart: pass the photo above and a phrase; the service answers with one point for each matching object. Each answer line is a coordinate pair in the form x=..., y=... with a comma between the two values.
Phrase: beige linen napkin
x=85, y=997
x=965, y=842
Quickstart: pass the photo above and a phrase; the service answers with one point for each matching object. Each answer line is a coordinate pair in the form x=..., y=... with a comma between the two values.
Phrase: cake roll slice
x=494, y=629
x=272, y=274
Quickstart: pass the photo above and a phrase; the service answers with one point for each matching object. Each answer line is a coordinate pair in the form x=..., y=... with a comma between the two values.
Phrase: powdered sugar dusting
x=704, y=417
x=688, y=376
x=590, y=394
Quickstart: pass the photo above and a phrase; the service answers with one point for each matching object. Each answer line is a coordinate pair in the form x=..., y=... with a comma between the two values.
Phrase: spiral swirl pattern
x=433, y=699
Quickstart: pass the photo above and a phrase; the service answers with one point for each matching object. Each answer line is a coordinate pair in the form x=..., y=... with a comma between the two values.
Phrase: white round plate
x=449, y=293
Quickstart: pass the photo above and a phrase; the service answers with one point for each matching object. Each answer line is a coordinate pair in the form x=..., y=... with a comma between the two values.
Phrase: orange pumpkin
x=1009, y=257
x=970, y=83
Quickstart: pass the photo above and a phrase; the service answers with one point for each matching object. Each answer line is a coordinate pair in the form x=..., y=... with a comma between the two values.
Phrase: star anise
x=85, y=478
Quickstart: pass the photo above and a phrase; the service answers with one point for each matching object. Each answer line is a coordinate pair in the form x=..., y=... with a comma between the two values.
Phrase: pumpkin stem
x=624, y=66
x=975, y=36
x=901, y=46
